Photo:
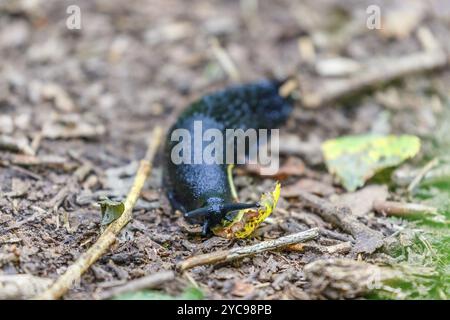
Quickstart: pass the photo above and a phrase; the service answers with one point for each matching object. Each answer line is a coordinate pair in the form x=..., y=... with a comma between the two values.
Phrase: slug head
x=214, y=211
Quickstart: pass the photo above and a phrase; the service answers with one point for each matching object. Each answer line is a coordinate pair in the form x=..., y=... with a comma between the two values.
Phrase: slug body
x=202, y=191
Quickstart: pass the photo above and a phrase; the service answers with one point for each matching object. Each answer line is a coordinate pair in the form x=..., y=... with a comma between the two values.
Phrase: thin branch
x=367, y=240
x=15, y=145
x=225, y=60
x=399, y=209
x=108, y=237
x=427, y=168
x=241, y=252
x=340, y=248
x=378, y=73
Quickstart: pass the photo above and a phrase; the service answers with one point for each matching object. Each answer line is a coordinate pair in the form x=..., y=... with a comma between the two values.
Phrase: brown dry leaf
x=242, y=289
x=361, y=202
x=309, y=185
x=292, y=167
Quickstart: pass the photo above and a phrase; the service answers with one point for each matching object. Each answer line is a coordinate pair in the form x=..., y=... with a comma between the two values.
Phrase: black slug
x=202, y=191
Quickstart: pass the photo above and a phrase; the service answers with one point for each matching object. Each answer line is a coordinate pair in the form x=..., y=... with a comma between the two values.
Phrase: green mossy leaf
x=111, y=210
x=355, y=159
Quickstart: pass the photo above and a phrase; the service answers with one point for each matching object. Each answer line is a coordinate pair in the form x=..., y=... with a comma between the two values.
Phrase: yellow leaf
x=247, y=220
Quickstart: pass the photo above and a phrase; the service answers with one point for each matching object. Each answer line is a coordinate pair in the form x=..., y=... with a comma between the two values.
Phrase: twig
x=342, y=247
x=288, y=87
x=35, y=161
x=108, y=237
x=15, y=145
x=430, y=165
x=36, y=142
x=433, y=176
x=225, y=60
x=241, y=252
x=60, y=196
x=427, y=39
x=147, y=282
x=399, y=209
x=24, y=171
x=336, y=235
x=381, y=72
x=367, y=240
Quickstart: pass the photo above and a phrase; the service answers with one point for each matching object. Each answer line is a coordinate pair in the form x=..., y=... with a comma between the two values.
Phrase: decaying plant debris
x=77, y=108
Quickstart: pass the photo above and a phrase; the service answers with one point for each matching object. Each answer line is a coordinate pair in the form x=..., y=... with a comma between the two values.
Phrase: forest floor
x=77, y=108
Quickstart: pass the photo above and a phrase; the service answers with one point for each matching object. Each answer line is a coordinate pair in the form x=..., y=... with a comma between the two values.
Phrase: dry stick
x=108, y=237
x=24, y=160
x=12, y=144
x=429, y=166
x=147, y=282
x=225, y=60
x=381, y=72
x=21, y=170
x=341, y=248
x=399, y=209
x=440, y=173
x=241, y=252
x=367, y=240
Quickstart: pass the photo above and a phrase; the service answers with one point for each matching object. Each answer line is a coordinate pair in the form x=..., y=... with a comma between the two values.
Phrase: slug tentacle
x=239, y=206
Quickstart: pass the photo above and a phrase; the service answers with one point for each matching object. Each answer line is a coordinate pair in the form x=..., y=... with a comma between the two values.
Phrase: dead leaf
x=361, y=202
x=242, y=289
x=309, y=185
x=292, y=167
